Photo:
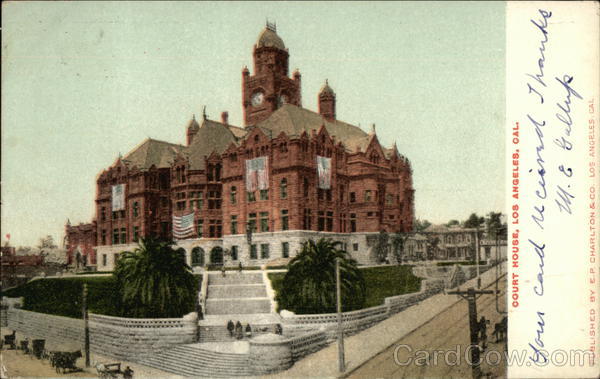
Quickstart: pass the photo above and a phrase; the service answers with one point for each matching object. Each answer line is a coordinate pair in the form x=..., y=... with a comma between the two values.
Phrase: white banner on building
x=324, y=172
x=257, y=174
x=118, y=197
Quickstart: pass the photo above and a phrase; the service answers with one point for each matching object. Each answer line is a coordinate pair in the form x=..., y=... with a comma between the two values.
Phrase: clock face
x=257, y=98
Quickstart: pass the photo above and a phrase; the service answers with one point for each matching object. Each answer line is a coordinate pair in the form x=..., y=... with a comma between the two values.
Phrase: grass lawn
x=62, y=296
x=381, y=282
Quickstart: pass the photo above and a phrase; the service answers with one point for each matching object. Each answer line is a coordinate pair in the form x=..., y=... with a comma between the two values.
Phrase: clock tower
x=270, y=87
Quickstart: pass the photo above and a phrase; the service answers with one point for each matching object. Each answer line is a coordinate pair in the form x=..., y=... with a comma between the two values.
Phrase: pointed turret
x=192, y=129
x=327, y=102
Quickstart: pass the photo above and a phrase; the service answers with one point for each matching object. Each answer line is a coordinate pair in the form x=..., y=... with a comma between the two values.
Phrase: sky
x=83, y=82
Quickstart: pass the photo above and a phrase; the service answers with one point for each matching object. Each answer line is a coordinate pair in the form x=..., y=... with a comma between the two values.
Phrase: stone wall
x=117, y=337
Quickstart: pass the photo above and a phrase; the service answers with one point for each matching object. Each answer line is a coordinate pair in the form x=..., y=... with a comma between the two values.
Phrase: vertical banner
x=257, y=174
x=118, y=197
x=552, y=168
x=324, y=172
x=183, y=226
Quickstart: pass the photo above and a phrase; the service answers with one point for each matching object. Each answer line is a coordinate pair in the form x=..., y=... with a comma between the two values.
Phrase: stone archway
x=216, y=256
x=198, y=257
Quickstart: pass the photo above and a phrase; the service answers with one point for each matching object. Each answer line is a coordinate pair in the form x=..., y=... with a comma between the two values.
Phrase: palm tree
x=154, y=280
x=309, y=284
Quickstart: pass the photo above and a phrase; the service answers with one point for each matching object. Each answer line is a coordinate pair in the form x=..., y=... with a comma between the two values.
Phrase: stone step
x=193, y=361
x=236, y=291
x=235, y=278
x=237, y=306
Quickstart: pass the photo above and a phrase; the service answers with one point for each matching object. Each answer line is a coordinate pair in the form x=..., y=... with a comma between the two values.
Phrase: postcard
x=299, y=189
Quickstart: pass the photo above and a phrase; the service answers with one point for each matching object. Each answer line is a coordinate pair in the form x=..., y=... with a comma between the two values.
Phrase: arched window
x=197, y=257
x=305, y=187
x=283, y=188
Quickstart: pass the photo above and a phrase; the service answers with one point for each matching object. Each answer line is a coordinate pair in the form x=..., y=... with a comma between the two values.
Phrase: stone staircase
x=236, y=293
x=193, y=361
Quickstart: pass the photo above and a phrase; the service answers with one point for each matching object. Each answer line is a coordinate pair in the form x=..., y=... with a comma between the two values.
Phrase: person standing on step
x=240, y=267
x=230, y=328
x=239, y=330
x=248, y=331
x=223, y=271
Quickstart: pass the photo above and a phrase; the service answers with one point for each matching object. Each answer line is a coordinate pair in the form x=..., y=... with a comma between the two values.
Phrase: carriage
x=64, y=361
x=113, y=370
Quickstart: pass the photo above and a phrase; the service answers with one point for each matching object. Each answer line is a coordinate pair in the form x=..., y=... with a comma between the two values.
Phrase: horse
x=500, y=329
x=65, y=360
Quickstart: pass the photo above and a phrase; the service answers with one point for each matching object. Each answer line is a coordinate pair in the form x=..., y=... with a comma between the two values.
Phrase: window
x=321, y=221
x=136, y=233
x=103, y=236
x=341, y=194
x=115, y=215
x=180, y=205
x=199, y=228
x=115, y=239
x=253, y=252
x=353, y=197
x=328, y=194
x=214, y=228
x=283, y=189
x=285, y=249
x=103, y=259
x=264, y=194
x=329, y=221
x=234, y=224
x=284, y=219
x=122, y=213
x=115, y=259
x=103, y=214
x=214, y=200
x=343, y=222
x=352, y=222
x=164, y=228
x=264, y=251
x=252, y=222
x=264, y=221
x=164, y=202
x=368, y=195
x=234, y=253
x=251, y=197
x=389, y=199
x=136, y=209
x=233, y=195
x=305, y=185
x=307, y=219
x=123, y=235
x=355, y=246
x=197, y=257
x=369, y=214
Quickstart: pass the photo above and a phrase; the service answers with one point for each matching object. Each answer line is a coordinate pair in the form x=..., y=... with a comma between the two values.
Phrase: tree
x=433, y=243
x=421, y=225
x=47, y=243
x=309, y=285
x=474, y=221
x=154, y=280
x=494, y=226
x=453, y=223
x=381, y=248
x=398, y=242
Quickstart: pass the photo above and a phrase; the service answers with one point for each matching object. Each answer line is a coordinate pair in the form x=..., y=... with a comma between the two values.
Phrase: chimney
x=225, y=118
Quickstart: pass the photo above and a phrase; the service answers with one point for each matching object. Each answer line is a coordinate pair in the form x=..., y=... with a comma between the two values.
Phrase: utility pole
x=471, y=296
x=86, y=326
x=477, y=248
x=342, y=364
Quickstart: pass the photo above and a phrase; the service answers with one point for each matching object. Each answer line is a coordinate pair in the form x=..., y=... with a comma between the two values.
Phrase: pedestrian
x=483, y=332
x=223, y=271
x=239, y=330
x=127, y=373
x=278, y=329
x=230, y=328
x=240, y=267
x=248, y=331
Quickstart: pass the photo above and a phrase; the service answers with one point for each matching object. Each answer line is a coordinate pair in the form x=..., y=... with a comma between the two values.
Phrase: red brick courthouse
x=287, y=175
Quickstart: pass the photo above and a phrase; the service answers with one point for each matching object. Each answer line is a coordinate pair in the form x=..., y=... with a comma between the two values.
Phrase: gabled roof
x=294, y=120
x=152, y=152
x=212, y=136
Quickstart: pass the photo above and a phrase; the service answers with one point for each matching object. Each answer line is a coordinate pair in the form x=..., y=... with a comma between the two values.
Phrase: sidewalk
x=362, y=347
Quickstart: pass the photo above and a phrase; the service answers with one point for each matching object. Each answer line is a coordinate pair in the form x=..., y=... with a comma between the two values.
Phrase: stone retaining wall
x=117, y=337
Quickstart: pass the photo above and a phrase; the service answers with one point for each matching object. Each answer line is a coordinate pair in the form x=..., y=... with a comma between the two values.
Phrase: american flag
x=324, y=172
x=183, y=226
